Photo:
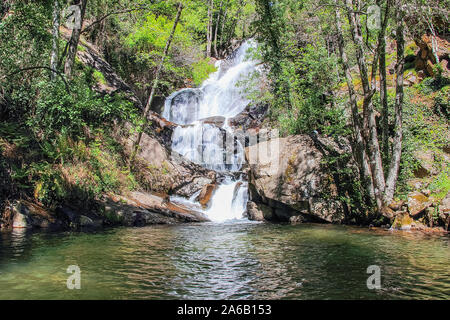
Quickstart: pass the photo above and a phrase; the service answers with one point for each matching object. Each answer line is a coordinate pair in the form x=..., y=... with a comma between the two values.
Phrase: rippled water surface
x=240, y=260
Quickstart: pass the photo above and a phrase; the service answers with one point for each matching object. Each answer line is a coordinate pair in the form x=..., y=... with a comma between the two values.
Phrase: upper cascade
x=219, y=95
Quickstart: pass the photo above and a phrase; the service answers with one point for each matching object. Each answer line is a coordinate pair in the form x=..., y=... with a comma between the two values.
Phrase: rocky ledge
x=135, y=209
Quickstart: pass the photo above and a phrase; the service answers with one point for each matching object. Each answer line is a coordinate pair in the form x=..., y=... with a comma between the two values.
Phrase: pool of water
x=239, y=260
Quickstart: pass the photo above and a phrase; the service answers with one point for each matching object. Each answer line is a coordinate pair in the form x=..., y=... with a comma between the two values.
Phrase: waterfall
x=204, y=136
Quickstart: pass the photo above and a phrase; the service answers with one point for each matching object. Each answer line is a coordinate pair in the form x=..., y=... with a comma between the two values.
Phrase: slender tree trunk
x=210, y=28
x=397, y=146
x=55, y=40
x=73, y=42
x=217, y=29
x=222, y=29
x=156, y=80
x=360, y=152
x=383, y=84
x=370, y=125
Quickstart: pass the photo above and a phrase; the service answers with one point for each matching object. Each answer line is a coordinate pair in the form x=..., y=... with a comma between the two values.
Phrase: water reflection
x=224, y=261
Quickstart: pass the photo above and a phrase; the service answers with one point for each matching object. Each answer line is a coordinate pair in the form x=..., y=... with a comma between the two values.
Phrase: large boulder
x=162, y=170
x=417, y=203
x=139, y=209
x=291, y=180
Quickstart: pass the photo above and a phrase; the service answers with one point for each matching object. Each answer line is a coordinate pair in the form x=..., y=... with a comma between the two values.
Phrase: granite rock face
x=290, y=181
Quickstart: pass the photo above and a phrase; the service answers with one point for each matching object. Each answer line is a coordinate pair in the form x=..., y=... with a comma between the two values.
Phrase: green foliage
x=423, y=131
x=59, y=111
x=201, y=70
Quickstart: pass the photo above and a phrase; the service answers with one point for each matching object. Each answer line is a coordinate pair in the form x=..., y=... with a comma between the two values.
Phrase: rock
x=417, y=203
x=444, y=211
x=425, y=159
x=251, y=117
x=403, y=221
x=259, y=211
x=236, y=190
x=86, y=221
x=426, y=60
x=444, y=206
x=296, y=219
x=328, y=210
x=253, y=212
x=396, y=205
x=164, y=171
x=139, y=209
x=206, y=194
x=388, y=212
x=21, y=220
x=218, y=121
x=290, y=178
x=29, y=215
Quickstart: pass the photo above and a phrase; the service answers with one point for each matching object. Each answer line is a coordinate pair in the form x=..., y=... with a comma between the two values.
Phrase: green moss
x=99, y=77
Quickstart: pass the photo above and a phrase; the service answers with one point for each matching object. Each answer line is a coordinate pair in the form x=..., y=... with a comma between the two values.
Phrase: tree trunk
x=73, y=42
x=55, y=40
x=369, y=122
x=360, y=152
x=210, y=28
x=156, y=80
x=383, y=87
x=397, y=146
x=217, y=29
x=224, y=21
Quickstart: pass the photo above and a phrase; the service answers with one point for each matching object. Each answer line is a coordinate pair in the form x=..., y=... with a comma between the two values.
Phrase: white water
x=207, y=144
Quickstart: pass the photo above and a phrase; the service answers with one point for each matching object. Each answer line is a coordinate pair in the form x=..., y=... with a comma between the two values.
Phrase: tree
x=74, y=39
x=55, y=39
x=397, y=146
x=156, y=80
x=209, y=32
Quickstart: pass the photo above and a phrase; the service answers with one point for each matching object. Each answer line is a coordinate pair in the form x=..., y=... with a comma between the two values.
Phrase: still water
x=238, y=260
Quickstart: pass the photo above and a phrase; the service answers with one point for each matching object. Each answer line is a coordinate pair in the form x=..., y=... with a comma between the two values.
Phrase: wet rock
x=259, y=211
x=403, y=221
x=417, y=203
x=254, y=212
x=296, y=219
x=252, y=117
x=139, y=209
x=86, y=222
x=29, y=215
x=21, y=220
x=206, y=194
x=218, y=121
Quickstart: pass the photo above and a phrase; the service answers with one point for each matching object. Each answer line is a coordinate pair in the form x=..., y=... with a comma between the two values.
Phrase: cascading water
x=204, y=136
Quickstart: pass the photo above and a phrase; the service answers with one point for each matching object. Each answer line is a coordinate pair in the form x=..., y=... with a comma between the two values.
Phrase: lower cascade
x=200, y=138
